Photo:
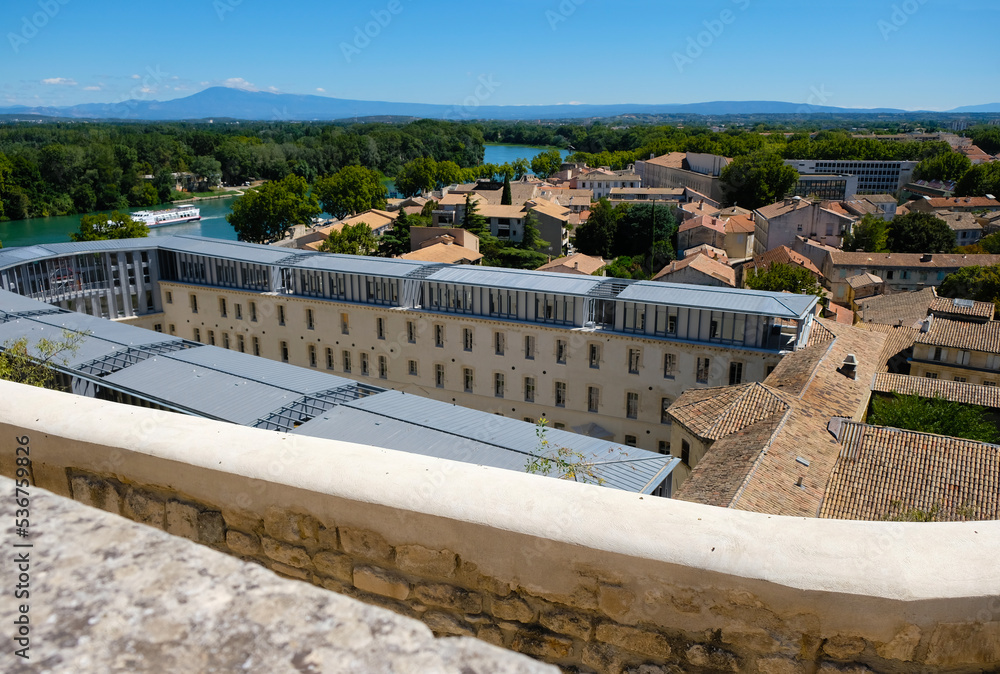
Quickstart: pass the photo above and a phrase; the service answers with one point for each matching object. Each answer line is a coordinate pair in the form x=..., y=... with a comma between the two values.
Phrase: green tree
x=396, y=241
x=597, y=235
x=918, y=232
x=991, y=243
x=101, y=227
x=980, y=180
x=351, y=190
x=546, y=163
x=471, y=220
x=264, y=215
x=626, y=267
x=778, y=277
x=351, y=240
x=532, y=238
x=933, y=415
x=950, y=166
x=757, y=179
x=448, y=173
x=143, y=195
x=34, y=364
x=208, y=170
x=870, y=234
x=5, y=185
x=561, y=462
x=986, y=138
x=506, y=199
x=973, y=283
x=163, y=181
x=417, y=176
x=643, y=227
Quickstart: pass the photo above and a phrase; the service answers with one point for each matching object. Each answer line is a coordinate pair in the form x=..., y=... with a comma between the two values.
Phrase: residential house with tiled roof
x=958, y=350
x=961, y=309
x=445, y=252
x=976, y=154
x=710, y=251
x=698, y=270
x=685, y=169
x=907, y=309
x=577, y=263
x=955, y=204
x=955, y=391
x=902, y=272
x=379, y=221
x=782, y=255
x=780, y=223
x=862, y=286
x=602, y=182
x=967, y=227
x=701, y=230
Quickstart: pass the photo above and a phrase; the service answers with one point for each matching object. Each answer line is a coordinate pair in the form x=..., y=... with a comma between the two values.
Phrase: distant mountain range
x=226, y=103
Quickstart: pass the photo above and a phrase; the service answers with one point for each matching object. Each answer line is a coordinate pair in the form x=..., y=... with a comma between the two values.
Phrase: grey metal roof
x=205, y=391
x=353, y=264
x=281, y=375
x=119, y=333
x=230, y=250
x=88, y=349
x=517, y=279
x=12, y=303
x=10, y=257
x=757, y=302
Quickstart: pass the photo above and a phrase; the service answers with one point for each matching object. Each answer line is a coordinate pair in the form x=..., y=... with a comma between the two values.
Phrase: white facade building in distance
x=874, y=177
x=600, y=356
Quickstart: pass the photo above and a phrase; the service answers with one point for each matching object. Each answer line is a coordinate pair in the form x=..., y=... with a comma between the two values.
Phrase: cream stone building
x=599, y=356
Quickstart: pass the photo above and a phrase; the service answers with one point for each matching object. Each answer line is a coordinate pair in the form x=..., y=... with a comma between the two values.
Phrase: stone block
x=842, y=647
x=779, y=666
x=570, y=623
x=616, y=602
x=491, y=634
x=143, y=507
x=902, y=646
x=289, y=571
x=211, y=528
x=447, y=624
x=292, y=555
x=714, y=659
x=757, y=641
x=242, y=520
x=290, y=527
x=95, y=492
x=334, y=565
x=633, y=639
x=334, y=585
x=541, y=643
x=603, y=658
x=583, y=597
x=965, y=644
x=364, y=543
x=512, y=608
x=52, y=478
x=850, y=669
x=381, y=582
x=421, y=561
x=240, y=543
x=328, y=538
x=182, y=519
x=449, y=596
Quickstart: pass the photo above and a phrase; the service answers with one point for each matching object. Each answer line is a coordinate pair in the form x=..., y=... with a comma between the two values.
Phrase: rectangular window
x=158, y=327
x=439, y=375
x=411, y=332
x=253, y=312
x=173, y=329
x=595, y=356
x=256, y=346
x=937, y=353
x=380, y=328
x=329, y=358
x=561, y=351
x=211, y=337
x=931, y=375
x=664, y=414
x=467, y=339
x=963, y=357
x=703, y=370
x=560, y=394
x=241, y=344
x=960, y=379
x=345, y=324
x=363, y=362
x=383, y=367
x=412, y=367
x=735, y=374
x=686, y=452
x=347, y=361
x=672, y=324
x=632, y=405
x=222, y=307
x=469, y=379
x=312, y=355
x=197, y=335
x=989, y=383
x=529, y=389
x=225, y=340
x=498, y=342
x=284, y=352
x=238, y=308
x=634, y=356
x=593, y=398
x=663, y=446
x=194, y=304
x=630, y=440
x=170, y=297
x=439, y=336
x=669, y=365
x=713, y=329
x=529, y=347
x=281, y=314
x=310, y=322
x=498, y=382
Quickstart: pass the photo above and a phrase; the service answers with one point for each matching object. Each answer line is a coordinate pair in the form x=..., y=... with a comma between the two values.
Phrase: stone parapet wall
x=576, y=575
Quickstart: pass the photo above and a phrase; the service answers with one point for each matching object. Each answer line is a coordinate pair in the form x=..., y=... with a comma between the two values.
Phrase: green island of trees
x=933, y=415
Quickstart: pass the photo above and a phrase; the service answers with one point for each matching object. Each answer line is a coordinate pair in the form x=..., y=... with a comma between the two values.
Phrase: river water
x=213, y=212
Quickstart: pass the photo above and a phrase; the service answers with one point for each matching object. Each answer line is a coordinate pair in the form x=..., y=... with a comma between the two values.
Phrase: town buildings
x=874, y=177
x=780, y=223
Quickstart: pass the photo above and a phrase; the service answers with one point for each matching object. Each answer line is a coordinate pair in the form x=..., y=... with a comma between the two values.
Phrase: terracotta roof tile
x=910, y=260
x=784, y=255
x=714, y=413
x=957, y=307
x=703, y=264
x=955, y=391
x=905, y=308
x=962, y=335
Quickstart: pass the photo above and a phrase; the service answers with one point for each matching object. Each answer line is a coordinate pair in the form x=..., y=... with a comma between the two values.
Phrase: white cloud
x=136, y=77
x=62, y=81
x=92, y=88
x=321, y=90
x=274, y=89
x=239, y=83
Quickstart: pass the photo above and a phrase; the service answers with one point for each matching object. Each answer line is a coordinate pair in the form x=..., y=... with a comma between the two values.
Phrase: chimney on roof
x=850, y=367
x=926, y=257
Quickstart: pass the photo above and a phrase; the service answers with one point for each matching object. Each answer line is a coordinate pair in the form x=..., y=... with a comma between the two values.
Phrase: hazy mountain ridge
x=224, y=102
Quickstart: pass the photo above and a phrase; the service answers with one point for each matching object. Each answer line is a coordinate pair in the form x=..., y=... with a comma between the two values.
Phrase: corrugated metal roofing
x=758, y=302
x=517, y=279
x=90, y=348
x=281, y=375
x=119, y=333
x=202, y=390
x=12, y=303
x=230, y=250
x=352, y=264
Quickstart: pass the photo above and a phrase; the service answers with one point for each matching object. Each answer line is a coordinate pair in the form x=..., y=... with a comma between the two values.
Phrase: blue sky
x=911, y=54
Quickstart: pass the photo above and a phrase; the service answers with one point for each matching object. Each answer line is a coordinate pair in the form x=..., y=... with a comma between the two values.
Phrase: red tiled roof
x=714, y=413
x=962, y=335
x=706, y=221
x=703, y=264
x=784, y=255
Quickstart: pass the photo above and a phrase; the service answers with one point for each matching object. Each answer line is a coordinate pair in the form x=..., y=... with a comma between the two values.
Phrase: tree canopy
x=950, y=166
x=396, y=241
x=264, y=215
x=351, y=190
x=870, y=234
x=779, y=277
x=351, y=240
x=757, y=179
x=101, y=227
x=642, y=232
x=32, y=364
x=532, y=238
x=546, y=163
x=982, y=179
x=933, y=415
x=973, y=283
x=918, y=232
